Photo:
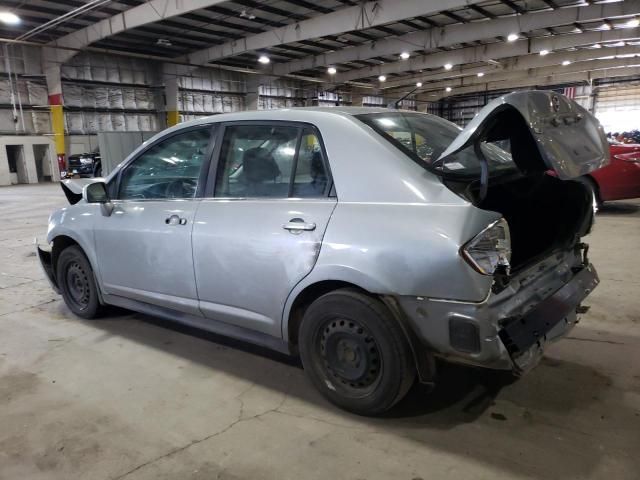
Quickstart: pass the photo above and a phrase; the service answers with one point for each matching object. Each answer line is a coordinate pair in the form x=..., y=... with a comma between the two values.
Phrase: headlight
x=85, y=161
x=490, y=249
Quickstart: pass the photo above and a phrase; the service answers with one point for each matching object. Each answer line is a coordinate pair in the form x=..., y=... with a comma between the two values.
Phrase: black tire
x=355, y=353
x=77, y=283
x=593, y=188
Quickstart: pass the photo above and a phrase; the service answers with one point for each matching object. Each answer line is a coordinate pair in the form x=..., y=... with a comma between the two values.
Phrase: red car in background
x=620, y=179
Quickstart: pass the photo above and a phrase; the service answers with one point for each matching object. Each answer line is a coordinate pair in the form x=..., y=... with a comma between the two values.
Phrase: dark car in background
x=84, y=165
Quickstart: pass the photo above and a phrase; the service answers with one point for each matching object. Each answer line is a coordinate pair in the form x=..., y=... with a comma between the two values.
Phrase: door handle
x=175, y=220
x=298, y=225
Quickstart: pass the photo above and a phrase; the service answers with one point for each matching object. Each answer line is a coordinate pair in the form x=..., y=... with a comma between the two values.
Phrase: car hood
x=546, y=131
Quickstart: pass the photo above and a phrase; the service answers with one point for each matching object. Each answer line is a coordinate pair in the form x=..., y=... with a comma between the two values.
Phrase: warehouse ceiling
x=448, y=44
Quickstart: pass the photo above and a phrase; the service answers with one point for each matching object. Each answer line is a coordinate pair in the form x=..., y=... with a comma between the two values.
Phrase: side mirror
x=97, y=193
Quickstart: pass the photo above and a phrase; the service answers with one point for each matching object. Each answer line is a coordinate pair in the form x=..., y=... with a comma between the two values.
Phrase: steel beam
x=358, y=17
x=490, y=52
x=450, y=35
x=514, y=64
x=149, y=12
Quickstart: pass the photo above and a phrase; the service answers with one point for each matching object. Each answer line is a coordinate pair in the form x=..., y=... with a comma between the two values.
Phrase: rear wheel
x=77, y=283
x=593, y=188
x=355, y=353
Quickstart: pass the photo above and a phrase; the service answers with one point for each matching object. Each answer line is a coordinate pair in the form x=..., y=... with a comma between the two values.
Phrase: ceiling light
x=263, y=59
x=404, y=55
x=419, y=84
x=448, y=89
x=331, y=70
x=634, y=22
x=544, y=52
x=566, y=62
x=382, y=78
x=605, y=26
x=512, y=37
x=480, y=74
x=448, y=66
x=9, y=18
x=597, y=45
x=163, y=42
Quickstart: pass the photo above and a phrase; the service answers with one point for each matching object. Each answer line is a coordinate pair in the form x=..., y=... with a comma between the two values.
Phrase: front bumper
x=507, y=330
x=46, y=262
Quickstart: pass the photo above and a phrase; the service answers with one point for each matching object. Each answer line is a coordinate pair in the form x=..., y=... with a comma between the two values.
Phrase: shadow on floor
x=506, y=419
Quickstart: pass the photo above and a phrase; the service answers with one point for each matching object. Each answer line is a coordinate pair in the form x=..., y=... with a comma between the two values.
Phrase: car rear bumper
x=510, y=329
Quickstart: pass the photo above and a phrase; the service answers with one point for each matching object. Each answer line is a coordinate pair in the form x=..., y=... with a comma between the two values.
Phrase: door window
x=169, y=170
x=270, y=161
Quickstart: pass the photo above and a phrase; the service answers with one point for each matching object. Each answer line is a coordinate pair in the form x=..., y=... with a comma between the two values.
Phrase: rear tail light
x=490, y=249
x=628, y=157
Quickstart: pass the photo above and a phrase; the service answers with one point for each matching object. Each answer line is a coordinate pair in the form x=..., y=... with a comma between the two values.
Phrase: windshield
x=424, y=137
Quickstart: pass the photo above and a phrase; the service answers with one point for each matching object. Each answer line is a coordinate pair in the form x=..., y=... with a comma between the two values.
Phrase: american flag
x=569, y=92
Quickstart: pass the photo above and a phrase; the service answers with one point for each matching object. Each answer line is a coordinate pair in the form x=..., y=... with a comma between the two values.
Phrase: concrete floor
x=133, y=397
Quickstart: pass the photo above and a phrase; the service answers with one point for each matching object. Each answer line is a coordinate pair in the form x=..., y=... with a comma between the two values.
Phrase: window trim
x=204, y=169
x=209, y=192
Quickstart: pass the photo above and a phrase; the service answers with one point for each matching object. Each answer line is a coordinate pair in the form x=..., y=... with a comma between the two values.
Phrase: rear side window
x=271, y=161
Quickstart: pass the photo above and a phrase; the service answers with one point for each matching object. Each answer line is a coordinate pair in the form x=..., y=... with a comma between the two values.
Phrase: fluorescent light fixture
x=566, y=62
x=448, y=66
x=9, y=18
x=448, y=89
x=597, y=45
x=404, y=55
x=634, y=22
x=512, y=37
x=382, y=78
x=419, y=84
x=480, y=74
x=263, y=59
x=544, y=52
x=605, y=26
x=331, y=70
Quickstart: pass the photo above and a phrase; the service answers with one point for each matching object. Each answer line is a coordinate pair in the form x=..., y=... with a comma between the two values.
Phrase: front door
x=260, y=232
x=144, y=246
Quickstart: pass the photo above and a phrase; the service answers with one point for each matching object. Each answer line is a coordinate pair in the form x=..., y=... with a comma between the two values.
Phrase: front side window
x=270, y=161
x=169, y=170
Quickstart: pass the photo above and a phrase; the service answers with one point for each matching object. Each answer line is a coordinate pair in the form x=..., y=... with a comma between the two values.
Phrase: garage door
x=618, y=106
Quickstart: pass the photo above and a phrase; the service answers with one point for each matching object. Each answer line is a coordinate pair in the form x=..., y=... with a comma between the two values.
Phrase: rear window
x=424, y=137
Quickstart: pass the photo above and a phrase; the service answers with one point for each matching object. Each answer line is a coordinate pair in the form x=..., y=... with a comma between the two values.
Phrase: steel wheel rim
x=77, y=283
x=349, y=357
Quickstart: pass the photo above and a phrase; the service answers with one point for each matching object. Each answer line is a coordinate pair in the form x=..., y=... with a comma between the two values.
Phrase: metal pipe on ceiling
x=93, y=4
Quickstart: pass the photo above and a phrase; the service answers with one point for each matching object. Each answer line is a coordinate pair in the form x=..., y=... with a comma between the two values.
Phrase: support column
x=356, y=99
x=54, y=90
x=253, y=92
x=171, y=92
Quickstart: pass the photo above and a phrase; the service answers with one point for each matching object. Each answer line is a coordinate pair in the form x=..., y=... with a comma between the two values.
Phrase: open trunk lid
x=545, y=130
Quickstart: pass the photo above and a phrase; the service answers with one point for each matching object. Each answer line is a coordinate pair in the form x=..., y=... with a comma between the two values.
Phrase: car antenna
x=395, y=103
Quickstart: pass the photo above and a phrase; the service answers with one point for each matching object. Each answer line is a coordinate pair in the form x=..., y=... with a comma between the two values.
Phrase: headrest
x=258, y=165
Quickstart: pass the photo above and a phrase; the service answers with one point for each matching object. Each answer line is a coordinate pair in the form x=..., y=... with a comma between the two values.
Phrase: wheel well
x=59, y=244
x=596, y=186
x=306, y=297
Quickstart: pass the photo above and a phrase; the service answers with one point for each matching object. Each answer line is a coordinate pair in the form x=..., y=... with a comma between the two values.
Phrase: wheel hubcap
x=78, y=285
x=350, y=354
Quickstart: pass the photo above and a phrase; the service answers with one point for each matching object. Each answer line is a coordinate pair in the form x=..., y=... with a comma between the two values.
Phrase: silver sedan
x=368, y=241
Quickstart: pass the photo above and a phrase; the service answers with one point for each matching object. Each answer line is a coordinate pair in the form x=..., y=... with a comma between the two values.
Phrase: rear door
x=259, y=230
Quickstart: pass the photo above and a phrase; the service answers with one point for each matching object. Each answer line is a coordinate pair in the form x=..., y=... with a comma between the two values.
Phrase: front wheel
x=355, y=353
x=77, y=283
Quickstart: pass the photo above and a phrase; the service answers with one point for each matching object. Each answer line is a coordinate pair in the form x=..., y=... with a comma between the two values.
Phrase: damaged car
x=368, y=241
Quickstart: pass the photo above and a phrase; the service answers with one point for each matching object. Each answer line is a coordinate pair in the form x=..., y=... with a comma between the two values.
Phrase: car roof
x=290, y=114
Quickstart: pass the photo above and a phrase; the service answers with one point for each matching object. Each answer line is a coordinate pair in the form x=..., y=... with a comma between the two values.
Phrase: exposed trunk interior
x=544, y=213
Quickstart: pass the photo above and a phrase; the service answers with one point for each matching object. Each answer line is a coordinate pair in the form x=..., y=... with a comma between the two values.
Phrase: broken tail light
x=490, y=250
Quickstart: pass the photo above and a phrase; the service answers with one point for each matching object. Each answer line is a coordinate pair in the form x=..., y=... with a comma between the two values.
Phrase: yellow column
x=173, y=118
x=57, y=125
